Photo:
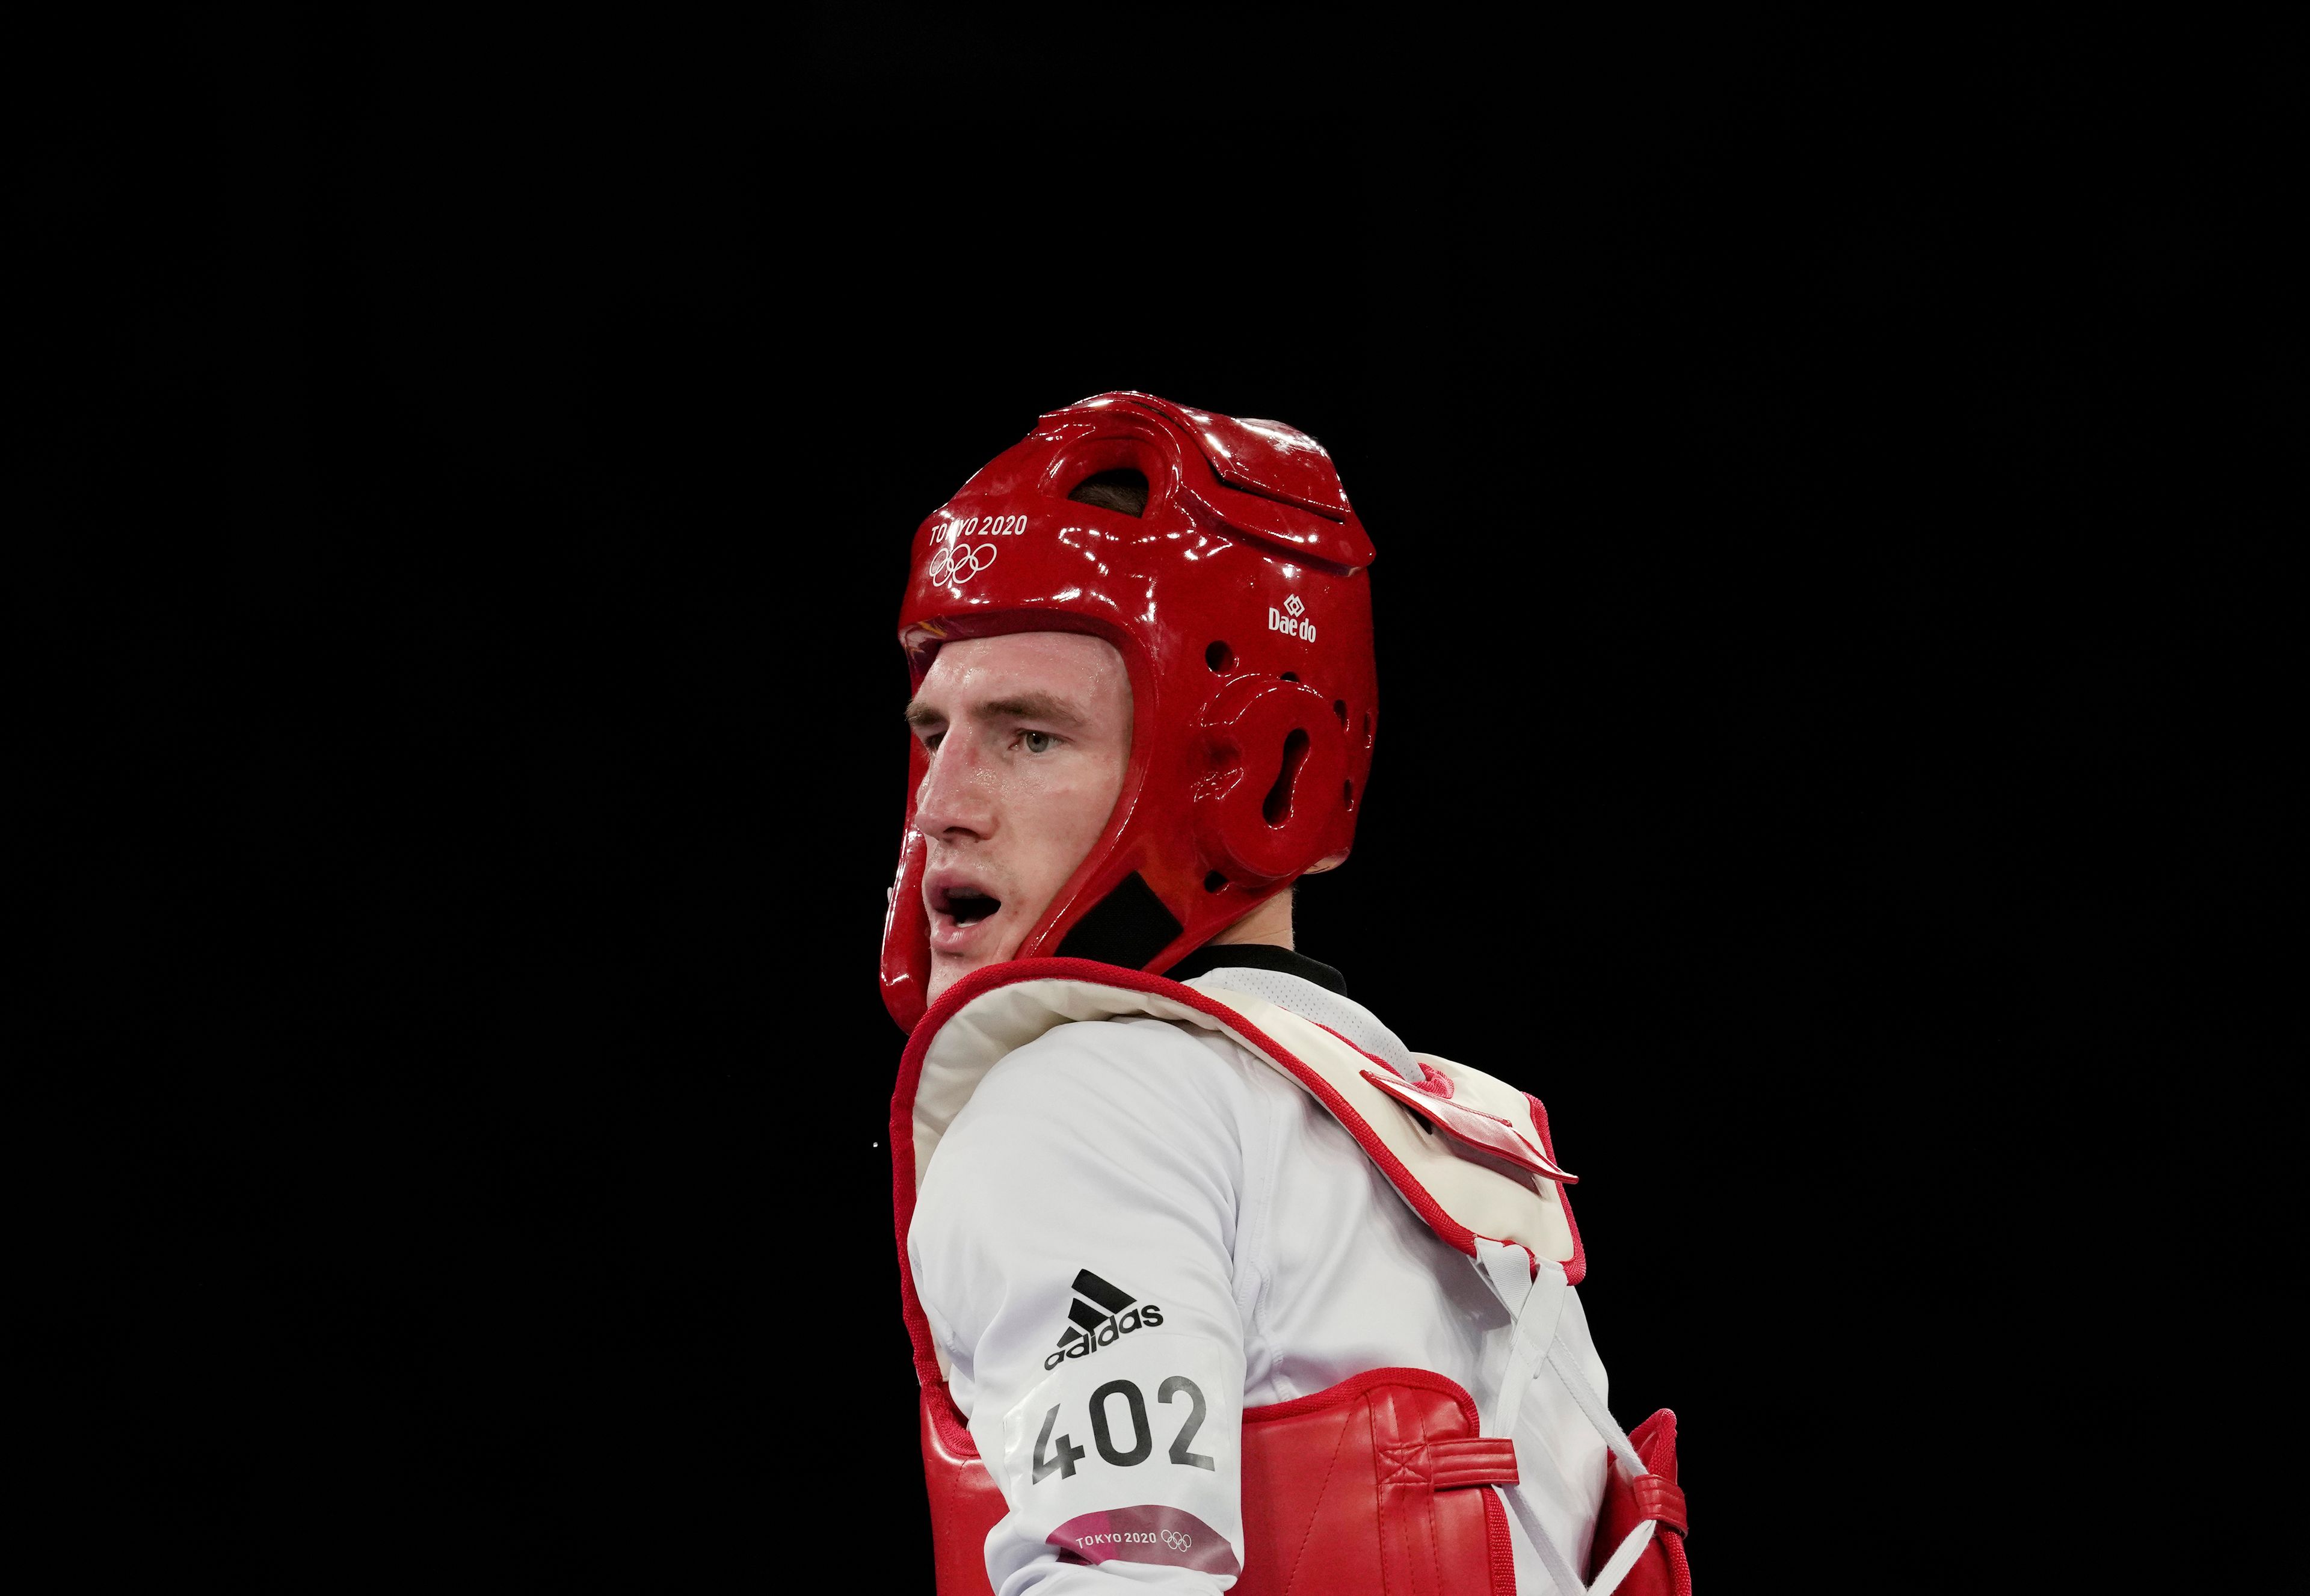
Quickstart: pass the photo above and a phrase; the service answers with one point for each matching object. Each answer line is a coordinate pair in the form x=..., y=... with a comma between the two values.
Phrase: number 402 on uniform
x=1058, y=1454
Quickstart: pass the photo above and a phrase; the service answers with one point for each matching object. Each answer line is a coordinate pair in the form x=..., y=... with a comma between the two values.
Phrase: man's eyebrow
x=1043, y=706
x=1015, y=707
x=1030, y=706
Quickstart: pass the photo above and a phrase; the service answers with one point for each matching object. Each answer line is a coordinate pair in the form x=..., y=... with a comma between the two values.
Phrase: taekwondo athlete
x=1212, y=1282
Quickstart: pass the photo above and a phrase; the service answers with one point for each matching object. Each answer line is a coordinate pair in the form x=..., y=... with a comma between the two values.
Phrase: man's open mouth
x=967, y=905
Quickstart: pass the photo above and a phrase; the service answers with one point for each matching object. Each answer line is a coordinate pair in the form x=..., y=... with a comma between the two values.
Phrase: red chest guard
x=1382, y=1485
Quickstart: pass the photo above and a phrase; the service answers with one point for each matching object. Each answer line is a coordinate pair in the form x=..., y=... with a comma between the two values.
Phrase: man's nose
x=955, y=797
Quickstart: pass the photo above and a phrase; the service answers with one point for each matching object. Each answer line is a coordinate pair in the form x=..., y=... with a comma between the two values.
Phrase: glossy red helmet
x=1240, y=603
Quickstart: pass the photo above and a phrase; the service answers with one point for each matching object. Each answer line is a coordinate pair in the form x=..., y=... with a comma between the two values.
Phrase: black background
x=1826, y=613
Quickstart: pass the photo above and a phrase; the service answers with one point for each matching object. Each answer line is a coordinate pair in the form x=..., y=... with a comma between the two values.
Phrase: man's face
x=1028, y=737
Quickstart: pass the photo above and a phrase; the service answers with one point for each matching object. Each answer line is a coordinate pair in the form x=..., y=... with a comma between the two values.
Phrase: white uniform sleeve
x=1073, y=1247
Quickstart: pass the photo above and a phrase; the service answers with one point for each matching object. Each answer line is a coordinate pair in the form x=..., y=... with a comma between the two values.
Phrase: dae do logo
x=1289, y=621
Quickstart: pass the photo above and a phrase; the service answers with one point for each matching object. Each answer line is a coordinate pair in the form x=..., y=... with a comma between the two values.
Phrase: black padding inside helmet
x=1129, y=926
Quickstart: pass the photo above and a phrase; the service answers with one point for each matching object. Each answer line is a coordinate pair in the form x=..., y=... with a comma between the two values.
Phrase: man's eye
x=1038, y=743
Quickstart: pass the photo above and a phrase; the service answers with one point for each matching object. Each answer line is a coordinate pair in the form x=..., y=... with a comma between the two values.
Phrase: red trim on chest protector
x=981, y=981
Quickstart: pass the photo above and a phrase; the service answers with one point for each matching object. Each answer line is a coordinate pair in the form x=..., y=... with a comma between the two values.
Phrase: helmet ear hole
x=1264, y=803
x=1219, y=657
x=1278, y=806
x=1123, y=490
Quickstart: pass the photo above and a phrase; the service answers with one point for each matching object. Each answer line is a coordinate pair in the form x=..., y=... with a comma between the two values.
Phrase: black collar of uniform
x=1257, y=956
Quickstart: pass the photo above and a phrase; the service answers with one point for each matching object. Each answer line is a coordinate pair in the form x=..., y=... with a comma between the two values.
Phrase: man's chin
x=947, y=968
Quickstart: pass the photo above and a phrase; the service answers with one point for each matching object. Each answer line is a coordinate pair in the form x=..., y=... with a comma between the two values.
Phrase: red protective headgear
x=1240, y=604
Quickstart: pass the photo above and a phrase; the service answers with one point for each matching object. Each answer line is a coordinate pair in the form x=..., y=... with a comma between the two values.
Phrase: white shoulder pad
x=1456, y=1188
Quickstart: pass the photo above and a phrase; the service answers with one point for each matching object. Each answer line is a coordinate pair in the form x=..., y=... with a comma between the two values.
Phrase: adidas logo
x=1101, y=1313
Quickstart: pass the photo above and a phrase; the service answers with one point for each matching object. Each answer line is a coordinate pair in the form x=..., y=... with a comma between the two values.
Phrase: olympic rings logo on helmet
x=957, y=562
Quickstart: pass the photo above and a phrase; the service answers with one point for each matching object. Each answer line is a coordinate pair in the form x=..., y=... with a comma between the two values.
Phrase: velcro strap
x=1657, y=1499
x=1471, y=1460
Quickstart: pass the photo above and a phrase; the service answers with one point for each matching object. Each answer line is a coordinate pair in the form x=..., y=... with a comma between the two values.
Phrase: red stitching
x=1316, y=1516
x=1576, y=1270
x=1378, y=1499
x=1434, y=1556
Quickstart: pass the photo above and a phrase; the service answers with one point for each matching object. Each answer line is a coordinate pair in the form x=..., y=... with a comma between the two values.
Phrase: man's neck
x=1270, y=922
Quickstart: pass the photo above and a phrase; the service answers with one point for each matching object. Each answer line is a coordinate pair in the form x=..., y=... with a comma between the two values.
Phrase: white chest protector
x=1473, y=1157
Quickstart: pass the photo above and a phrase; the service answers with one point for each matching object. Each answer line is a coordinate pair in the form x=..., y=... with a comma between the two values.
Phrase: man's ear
x=1328, y=862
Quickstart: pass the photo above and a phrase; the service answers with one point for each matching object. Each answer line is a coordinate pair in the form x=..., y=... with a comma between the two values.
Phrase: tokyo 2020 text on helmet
x=1240, y=602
